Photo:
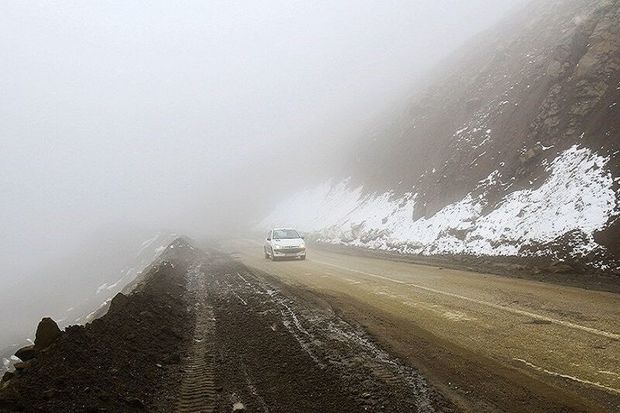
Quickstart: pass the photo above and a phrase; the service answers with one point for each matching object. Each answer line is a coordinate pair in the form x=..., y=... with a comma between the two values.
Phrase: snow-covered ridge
x=577, y=195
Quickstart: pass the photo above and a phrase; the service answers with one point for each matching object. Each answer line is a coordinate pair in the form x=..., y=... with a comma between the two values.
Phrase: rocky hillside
x=513, y=149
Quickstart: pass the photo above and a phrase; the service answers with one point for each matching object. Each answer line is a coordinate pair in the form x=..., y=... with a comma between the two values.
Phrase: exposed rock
x=118, y=302
x=47, y=333
x=560, y=267
x=238, y=407
x=548, y=74
x=555, y=69
x=531, y=153
x=26, y=353
x=135, y=402
x=7, y=376
x=24, y=365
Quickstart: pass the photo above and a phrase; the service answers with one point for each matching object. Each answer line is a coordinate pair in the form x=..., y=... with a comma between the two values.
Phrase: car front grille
x=291, y=250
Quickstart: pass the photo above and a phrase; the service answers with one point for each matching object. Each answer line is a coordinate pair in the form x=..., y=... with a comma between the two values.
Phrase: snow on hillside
x=578, y=195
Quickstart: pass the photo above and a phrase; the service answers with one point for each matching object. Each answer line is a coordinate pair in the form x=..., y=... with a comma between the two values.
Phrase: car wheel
x=303, y=257
x=266, y=255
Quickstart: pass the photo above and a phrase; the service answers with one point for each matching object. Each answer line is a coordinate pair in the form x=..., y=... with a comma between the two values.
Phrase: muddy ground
x=283, y=351
x=127, y=361
x=488, y=343
x=203, y=333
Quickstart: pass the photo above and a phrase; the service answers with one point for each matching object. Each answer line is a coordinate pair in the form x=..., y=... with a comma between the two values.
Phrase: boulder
x=238, y=407
x=530, y=153
x=47, y=333
x=555, y=69
x=20, y=366
x=118, y=302
x=7, y=376
x=24, y=365
x=26, y=353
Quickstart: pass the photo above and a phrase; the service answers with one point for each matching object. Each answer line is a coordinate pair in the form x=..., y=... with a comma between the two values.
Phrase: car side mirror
x=303, y=237
x=268, y=239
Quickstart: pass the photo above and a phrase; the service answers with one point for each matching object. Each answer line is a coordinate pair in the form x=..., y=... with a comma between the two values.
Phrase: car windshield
x=285, y=234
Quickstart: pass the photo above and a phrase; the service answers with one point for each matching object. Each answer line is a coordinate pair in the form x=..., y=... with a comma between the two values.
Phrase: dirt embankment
x=127, y=360
x=202, y=332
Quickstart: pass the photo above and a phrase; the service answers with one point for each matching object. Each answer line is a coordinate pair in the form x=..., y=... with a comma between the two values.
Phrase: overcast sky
x=169, y=113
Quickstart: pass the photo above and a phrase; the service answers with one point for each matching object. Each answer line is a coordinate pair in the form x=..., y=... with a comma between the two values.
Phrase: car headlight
x=277, y=247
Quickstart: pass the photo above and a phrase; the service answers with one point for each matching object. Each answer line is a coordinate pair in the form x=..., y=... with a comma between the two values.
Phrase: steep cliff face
x=513, y=149
x=547, y=77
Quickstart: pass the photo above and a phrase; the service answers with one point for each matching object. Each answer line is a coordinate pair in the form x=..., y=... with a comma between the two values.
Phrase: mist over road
x=400, y=138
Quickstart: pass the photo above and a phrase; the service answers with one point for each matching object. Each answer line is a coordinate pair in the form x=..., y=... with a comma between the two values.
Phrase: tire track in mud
x=359, y=353
x=198, y=392
x=272, y=348
x=282, y=344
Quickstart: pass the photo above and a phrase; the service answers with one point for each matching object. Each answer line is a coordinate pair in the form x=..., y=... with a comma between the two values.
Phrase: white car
x=285, y=243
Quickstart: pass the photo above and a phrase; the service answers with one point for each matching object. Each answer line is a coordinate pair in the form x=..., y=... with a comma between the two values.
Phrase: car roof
x=281, y=228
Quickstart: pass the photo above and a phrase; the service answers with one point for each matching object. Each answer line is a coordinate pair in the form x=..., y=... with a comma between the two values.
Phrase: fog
x=193, y=116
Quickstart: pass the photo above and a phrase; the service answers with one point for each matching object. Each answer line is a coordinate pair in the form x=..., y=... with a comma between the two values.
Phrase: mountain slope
x=511, y=150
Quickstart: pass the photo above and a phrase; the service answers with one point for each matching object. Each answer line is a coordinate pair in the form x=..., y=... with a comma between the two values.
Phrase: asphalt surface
x=490, y=343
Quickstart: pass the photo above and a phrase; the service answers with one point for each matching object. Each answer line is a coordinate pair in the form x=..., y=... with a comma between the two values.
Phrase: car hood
x=293, y=242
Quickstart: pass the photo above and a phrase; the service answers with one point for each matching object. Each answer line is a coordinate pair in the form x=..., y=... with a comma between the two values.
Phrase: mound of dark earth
x=200, y=332
x=127, y=360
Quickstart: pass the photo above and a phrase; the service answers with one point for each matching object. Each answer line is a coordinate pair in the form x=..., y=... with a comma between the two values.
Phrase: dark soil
x=126, y=361
x=269, y=349
x=285, y=352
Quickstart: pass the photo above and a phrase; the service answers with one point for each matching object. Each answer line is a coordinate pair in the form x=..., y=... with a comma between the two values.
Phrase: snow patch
x=101, y=288
x=577, y=195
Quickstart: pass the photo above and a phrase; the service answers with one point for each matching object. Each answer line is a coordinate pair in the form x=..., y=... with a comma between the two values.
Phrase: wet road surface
x=491, y=343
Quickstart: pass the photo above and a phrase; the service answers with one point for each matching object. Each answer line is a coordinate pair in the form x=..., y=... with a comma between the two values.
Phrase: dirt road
x=201, y=331
x=490, y=343
x=272, y=349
